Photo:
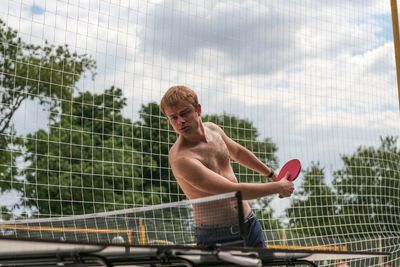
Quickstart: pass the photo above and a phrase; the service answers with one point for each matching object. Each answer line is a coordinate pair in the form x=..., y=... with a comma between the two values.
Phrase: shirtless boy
x=200, y=160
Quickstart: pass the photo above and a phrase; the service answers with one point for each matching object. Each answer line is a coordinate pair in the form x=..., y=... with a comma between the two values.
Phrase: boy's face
x=184, y=118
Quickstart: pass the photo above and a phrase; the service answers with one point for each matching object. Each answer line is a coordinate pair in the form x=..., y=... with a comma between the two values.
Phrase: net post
x=240, y=214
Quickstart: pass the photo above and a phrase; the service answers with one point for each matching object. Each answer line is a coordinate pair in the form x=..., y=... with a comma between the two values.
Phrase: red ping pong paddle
x=293, y=167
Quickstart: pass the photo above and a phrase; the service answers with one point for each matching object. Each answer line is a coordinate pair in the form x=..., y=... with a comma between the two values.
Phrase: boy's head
x=177, y=94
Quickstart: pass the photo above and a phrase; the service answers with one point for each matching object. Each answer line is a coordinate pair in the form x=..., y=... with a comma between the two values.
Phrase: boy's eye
x=185, y=112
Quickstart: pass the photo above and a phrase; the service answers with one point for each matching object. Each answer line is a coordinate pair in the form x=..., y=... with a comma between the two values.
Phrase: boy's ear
x=198, y=110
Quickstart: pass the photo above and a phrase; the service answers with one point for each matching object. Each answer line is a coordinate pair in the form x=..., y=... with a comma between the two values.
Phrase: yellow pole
x=142, y=232
x=396, y=38
x=130, y=238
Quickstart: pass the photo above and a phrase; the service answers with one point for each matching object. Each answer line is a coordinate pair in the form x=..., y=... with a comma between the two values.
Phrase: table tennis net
x=166, y=224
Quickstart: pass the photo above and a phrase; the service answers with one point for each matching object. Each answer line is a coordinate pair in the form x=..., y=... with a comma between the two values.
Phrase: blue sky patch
x=37, y=10
x=386, y=32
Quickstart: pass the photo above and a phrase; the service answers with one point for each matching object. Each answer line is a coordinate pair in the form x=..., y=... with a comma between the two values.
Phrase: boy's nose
x=181, y=120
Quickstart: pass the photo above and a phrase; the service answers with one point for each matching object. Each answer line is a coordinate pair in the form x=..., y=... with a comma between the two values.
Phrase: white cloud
x=246, y=33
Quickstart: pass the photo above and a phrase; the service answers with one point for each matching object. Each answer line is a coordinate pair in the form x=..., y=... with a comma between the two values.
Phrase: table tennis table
x=25, y=252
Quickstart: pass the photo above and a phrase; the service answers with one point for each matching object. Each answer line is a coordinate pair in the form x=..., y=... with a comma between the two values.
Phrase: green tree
x=86, y=162
x=10, y=149
x=313, y=207
x=44, y=73
x=363, y=203
x=4, y=214
x=369, y=190
x=155, y=137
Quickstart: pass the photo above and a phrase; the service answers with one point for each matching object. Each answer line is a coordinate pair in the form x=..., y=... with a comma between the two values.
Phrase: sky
x=316, y=77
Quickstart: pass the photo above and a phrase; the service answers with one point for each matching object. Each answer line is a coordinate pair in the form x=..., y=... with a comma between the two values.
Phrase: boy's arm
x=205, y=180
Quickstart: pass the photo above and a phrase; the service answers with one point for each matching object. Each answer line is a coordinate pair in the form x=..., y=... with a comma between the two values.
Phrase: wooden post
x=284, y=237
x=381, y=261
x=396, y=38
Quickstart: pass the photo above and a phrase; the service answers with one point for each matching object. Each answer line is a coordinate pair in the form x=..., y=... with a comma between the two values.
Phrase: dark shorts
x=230, y=235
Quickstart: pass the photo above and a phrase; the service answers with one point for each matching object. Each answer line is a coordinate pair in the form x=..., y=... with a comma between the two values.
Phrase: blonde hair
x=177, y=94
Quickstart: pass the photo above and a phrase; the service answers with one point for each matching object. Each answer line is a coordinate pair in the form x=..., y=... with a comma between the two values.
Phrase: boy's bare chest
x=214, y=154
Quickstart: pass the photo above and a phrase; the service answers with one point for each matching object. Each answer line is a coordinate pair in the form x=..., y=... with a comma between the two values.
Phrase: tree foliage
x=363, y=201
x=313, y=206
x=155, y=137
x=46, y=73
x=85, y=162
x=369, y=189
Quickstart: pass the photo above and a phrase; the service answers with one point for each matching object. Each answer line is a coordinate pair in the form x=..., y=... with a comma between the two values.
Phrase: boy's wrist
x=271, y=173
